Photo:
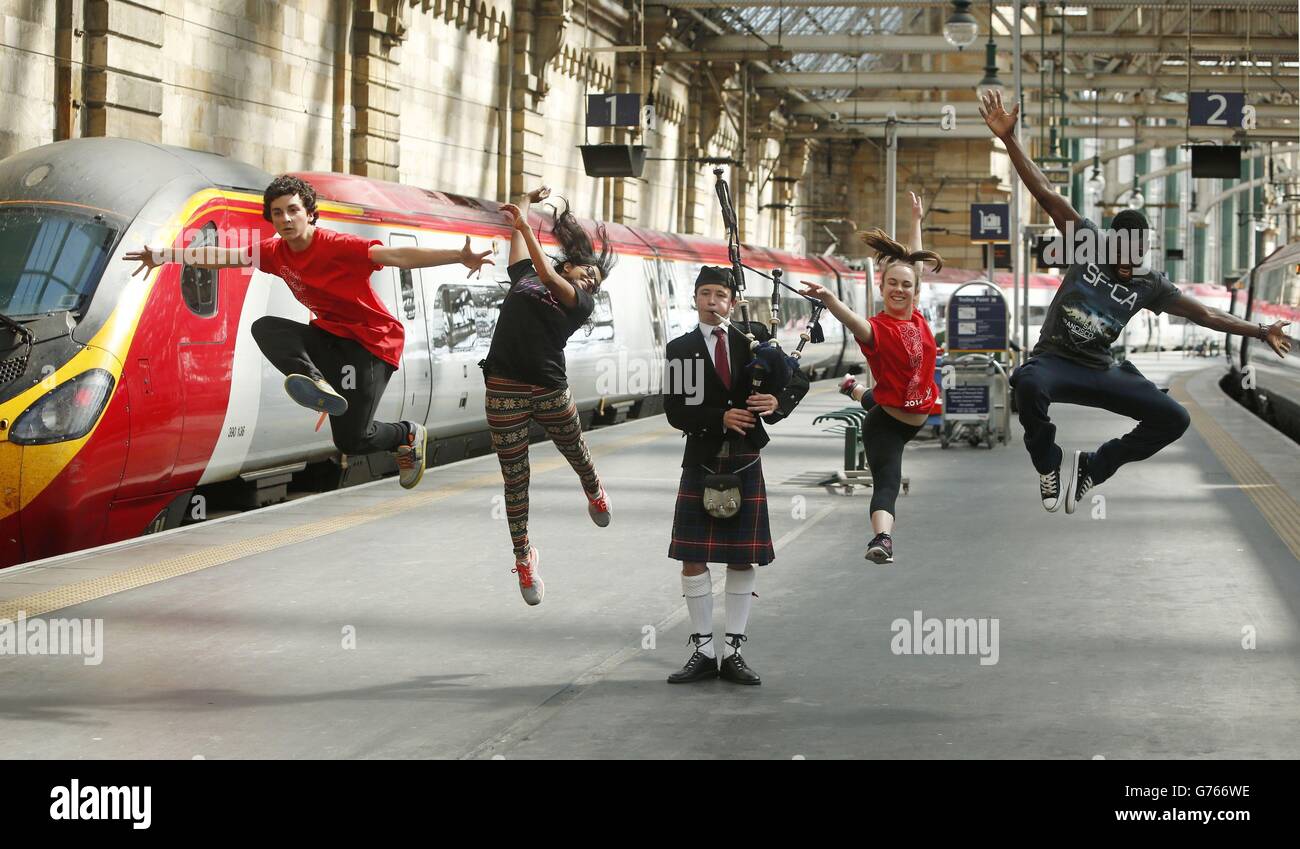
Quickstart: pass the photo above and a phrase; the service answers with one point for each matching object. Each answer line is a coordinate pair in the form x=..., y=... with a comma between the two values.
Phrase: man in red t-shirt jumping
x=341, y=362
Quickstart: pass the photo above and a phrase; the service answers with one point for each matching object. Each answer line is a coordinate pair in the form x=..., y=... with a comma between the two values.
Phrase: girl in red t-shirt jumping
x=900, y=350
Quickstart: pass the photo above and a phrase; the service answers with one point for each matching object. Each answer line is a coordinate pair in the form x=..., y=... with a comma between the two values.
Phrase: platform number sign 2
x=613, y=110
x=1219, y=109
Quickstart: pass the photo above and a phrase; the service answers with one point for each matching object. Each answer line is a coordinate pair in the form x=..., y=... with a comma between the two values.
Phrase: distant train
x=1264, y=382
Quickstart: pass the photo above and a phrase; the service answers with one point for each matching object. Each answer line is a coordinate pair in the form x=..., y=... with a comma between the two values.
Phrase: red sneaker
x=530, y=578
x=598, y=509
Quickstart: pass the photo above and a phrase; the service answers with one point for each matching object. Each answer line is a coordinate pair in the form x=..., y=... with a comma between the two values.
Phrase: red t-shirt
x=902, y=362
x=332, y=279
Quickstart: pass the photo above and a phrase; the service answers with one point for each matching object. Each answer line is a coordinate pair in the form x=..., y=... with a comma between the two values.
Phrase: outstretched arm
x=207, y=256
x=856, y=324
x=914, y=235
x=413, y=257
x=1003, y=125
x=518, y=244
x=914, y=238
x=562, y=289
x=1216, y=319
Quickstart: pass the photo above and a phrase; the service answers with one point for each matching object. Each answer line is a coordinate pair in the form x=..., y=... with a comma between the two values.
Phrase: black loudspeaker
x=613, y=160
x=1209, y=160
x=1040, y=245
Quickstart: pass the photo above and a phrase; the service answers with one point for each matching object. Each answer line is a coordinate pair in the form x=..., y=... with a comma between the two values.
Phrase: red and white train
x=121, y=397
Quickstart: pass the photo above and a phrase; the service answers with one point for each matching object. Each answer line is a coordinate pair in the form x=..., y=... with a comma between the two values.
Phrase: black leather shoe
x=733, y=668
x=699, y=667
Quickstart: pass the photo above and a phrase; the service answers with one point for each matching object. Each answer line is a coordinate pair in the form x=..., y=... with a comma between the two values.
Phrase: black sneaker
x=1049, y=488
x=699, y=666
x=315, y=394
x=880, y=549
x=1080, y=481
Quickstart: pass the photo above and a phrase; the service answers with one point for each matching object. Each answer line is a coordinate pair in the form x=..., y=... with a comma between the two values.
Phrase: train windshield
x=50, y=261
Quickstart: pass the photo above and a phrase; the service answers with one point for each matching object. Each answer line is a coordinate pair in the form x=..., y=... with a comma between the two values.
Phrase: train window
x=408, y=293
x=464, y=316
x=600, y=327
x=50, y=261
x=199, y=285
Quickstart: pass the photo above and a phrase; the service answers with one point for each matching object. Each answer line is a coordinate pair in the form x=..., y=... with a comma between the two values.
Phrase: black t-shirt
x=1092, y=307
x=528, y=343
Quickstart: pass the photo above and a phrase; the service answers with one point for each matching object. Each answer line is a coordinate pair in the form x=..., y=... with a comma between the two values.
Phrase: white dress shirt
x=711, y=341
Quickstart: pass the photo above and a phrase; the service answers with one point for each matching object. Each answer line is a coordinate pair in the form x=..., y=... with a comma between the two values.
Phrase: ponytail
x=890, y=252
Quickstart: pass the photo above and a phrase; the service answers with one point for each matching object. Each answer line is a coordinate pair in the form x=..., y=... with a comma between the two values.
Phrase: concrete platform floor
x=379, y=623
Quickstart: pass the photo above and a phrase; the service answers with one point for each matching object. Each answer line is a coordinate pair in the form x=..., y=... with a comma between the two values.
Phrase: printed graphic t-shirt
x=901, y=358
x=1090, y=310
x=532, y=330
x=332, y=279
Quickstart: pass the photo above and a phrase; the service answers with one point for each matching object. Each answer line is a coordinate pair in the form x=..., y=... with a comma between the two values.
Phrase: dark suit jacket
x=701, y=423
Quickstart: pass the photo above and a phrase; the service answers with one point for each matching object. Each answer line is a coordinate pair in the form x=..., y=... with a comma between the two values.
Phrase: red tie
x=721, y=362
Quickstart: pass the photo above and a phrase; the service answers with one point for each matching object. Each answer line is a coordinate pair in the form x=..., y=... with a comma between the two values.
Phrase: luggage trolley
x=976, y=390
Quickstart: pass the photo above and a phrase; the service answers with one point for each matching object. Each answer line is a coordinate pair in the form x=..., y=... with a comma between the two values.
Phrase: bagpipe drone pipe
x=772, y=370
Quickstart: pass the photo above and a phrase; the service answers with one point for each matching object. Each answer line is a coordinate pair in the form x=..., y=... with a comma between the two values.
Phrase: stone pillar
x=626, y=191
x=538, y=38
x=378, y=30
x=122, y=86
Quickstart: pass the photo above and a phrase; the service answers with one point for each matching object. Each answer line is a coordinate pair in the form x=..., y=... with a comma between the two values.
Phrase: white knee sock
x=740, y=586
x=698, y=590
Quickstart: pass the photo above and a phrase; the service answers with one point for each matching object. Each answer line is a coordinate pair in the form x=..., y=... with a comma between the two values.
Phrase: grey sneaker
x=880, y=549
x=530, y=578
x=410, y=457
x=315, y=394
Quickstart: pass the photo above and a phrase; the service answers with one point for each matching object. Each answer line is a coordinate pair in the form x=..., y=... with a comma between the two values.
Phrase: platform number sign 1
x=1219, y=109
x=613, y=110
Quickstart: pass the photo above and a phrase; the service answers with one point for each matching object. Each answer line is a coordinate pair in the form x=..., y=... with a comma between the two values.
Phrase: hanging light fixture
x=990, y=81
x=961, y=29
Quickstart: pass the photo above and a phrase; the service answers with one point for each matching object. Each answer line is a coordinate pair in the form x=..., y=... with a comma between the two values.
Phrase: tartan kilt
x=744, y=538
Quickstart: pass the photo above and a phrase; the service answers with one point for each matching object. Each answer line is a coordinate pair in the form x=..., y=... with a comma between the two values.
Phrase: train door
x=657, y=296
x=388, y=286
x=204, y=346
x=412, y=307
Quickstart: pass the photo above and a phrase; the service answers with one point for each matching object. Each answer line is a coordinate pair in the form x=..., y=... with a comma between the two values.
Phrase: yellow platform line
x=1272, y=500
x=91, y=589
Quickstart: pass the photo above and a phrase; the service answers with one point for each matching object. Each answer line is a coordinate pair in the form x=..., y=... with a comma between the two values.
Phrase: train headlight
x=66, y=412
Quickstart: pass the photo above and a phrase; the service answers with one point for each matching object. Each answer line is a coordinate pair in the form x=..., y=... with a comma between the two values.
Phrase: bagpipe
x=772, y=371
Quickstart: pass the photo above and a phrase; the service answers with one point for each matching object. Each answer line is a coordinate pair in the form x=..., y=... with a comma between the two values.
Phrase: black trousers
x=295, y=348
x=884, y=437
x=1122, y=389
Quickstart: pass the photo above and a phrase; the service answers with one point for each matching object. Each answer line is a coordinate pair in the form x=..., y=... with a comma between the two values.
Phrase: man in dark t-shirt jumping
x=1072, y=363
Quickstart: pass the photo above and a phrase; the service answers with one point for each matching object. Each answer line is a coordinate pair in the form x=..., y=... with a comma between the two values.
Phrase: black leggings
x=295, y=348
x=884, y=437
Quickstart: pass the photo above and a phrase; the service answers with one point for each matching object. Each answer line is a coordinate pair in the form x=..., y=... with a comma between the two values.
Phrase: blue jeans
x=1122, y=389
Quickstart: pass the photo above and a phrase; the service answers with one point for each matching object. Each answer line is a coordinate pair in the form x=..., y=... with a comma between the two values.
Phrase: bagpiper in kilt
x=710, y=397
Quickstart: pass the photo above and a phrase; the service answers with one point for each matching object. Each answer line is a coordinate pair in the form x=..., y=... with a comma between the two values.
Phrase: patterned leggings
x=510, y=407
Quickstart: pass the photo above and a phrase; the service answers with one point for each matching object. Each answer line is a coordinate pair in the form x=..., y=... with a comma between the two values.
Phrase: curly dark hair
x=888, y=251
x=287, y=184
x=577, y=245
